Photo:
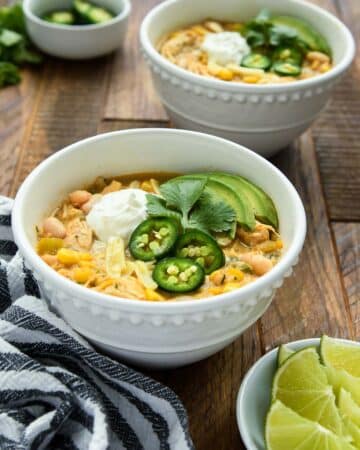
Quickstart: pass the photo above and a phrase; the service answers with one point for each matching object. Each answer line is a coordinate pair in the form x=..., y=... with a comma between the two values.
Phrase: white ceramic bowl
x=161, y=334
x=264, y=118
x=76, y=41
x=254, y=398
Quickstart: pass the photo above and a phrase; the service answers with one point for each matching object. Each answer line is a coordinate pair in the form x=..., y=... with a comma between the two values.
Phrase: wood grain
x=348, y=243
x=17, y=108
x=312, y=301
x=131, y=94
x=337, y=133
x=69, y=108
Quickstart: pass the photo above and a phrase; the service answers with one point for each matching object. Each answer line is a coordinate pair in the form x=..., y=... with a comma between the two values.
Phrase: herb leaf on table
x=15, y=46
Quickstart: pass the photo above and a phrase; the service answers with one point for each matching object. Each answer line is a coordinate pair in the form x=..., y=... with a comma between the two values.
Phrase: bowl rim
x=257, y=366
x=286, y=262
x=54, y=26
x=213, y=83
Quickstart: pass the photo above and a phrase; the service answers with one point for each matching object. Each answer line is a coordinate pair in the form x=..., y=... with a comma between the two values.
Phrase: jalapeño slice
x=201, y=248
x=288, y=54
x=178, y=274
x=256, y=61
x=286, y=69
x=153, y=238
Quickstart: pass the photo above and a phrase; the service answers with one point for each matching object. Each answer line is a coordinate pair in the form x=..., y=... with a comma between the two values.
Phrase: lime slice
x=353, y=431
x=342, y=379
x=302, y=385
x=348, y=407
x=287, y=430
x=340, y=355
x=284, y=352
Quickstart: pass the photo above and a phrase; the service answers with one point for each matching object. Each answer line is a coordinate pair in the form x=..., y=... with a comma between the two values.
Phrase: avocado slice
x=244, y=212
x=263, y=207
x=312, y=38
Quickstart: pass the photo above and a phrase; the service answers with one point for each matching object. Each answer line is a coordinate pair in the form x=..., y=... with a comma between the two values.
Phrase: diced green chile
x=286, y=69
x=201, y=248
x=153, y=238
x=178, y=274
x=60, y=17
x=91, y=14
x=256, y=61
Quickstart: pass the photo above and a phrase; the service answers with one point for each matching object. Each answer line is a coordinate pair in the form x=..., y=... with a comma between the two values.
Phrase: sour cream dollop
x=224, y=48
x=118, y=214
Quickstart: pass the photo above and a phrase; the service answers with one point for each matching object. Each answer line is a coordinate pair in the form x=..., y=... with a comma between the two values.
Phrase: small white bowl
x=254, y=398
x=264, y=118
x=76, y=41
x=156, y=334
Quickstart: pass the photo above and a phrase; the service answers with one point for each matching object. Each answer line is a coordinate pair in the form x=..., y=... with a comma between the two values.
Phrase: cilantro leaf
x=156, y=206
x=182, y=194
x=12, y=18
x=211, y=215
x=9, y=74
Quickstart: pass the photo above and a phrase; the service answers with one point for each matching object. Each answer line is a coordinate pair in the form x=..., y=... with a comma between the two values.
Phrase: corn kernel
x=150, y=294
x=231, y=287
x=216, y=290
x=236, y=273
x=85, y=257
x=225, y=74
x=250, y=79
x=270, y=246
x=68, y=257
x=82, y=275
x=146, y=186
x=106, y=283
x=49, y=245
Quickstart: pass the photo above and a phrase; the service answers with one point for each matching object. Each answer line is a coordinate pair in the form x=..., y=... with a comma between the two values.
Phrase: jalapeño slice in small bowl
x=201, y=248
x=286, y=69
x=153, y=238
x=256, y=61
x=178, y=274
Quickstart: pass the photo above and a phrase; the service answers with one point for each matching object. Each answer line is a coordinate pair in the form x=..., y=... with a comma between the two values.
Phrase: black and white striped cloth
x=56, y=392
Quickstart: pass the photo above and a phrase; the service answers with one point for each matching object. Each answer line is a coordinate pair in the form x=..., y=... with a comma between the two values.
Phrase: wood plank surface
x=66, y=101
x=131, y=94
x=312, y=301
x=337, y=132
x=70, y=106
x=348, y=243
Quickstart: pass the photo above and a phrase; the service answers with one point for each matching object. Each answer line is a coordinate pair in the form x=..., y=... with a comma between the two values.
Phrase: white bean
x=54, y=228
x=78, y=198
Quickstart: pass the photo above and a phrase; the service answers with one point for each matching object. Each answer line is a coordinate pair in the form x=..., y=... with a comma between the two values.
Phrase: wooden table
x=63, y=102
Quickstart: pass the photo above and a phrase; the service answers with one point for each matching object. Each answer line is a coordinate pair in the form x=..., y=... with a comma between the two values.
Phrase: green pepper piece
x=178, y=274
x=288, y=54
x=286, y=69
x=60, y=17
x=201, y=248
x=256, y=61
x=153, y=238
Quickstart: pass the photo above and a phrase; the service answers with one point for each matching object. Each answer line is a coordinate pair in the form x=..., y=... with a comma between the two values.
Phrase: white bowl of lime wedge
x=306, y=392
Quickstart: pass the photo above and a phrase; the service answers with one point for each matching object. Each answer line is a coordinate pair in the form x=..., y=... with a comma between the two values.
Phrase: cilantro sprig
x=261, y=32
x=15, y=46
x=189, y=203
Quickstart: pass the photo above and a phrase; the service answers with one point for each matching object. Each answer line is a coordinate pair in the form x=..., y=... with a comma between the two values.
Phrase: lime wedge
x=348, y=407
x=283, y=354
x=353, y=431
x=339, y=355
x=302, y=385
x=342, y=379
x=287, y=430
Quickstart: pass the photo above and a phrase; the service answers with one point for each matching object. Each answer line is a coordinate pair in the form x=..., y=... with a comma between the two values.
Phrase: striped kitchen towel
x=56, y=392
